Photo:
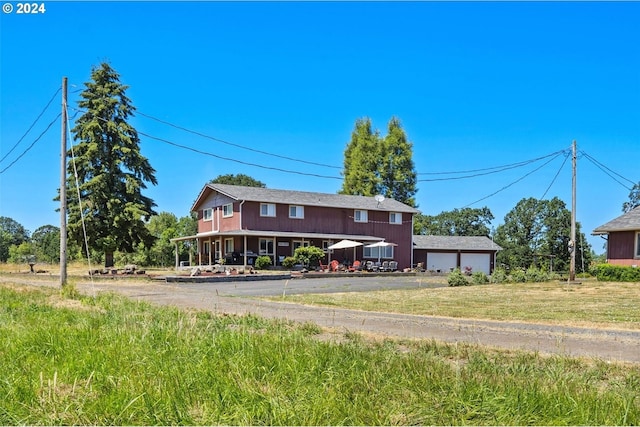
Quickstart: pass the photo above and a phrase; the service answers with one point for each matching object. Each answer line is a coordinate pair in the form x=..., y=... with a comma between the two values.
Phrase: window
x=379, y=252
x=266, y=247
x=360, y=216
x=326, y=244
x=299, y=244
x=267, y=209
x=228, y=246
x=206, y=248
x=395, y=218
x=296, y=212
x=227, y=210
x=637, y=245
x=207, y=215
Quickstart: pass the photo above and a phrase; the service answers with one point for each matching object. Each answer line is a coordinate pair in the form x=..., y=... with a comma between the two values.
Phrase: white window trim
x=299, y=209
x=372, y=253
x=397, y=215
x=364, y=213
x=637, y=248
x=264, y=252
x=224, y=207
x=269, y=205
x=226, y=246
x=204, y=214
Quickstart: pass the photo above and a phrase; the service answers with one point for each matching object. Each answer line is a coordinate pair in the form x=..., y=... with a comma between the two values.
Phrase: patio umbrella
x=380, y=244
x=345, y=244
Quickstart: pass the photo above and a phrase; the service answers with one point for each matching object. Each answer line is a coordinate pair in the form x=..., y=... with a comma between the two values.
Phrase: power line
x=603, y=167
x=514, y=182
x=503, y=168
x=32, y=124
x=566, y=157
x=32, y=144
x=236, y=145
x=236, y=160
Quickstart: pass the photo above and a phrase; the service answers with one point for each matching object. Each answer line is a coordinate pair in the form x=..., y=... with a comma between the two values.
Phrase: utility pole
x=63, y=187
x=572, y=242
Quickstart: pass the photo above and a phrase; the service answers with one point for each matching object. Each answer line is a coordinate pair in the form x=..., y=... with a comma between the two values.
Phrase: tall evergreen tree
x=362, y=161
x=398, y=174
x=111, y=170
x=375, y=165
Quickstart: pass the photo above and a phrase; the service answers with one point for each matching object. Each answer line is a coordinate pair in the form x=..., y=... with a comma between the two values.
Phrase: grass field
x=109, y=360
x=592, y=303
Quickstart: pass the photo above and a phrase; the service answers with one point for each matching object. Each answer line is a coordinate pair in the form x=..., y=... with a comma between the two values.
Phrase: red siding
x=621, y=248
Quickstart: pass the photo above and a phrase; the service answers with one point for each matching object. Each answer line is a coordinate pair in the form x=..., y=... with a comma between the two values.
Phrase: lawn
x=109, y=360
x=592, y=303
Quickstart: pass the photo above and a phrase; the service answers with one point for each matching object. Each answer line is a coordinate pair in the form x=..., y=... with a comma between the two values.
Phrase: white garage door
x=478, y=262
x=441, y=261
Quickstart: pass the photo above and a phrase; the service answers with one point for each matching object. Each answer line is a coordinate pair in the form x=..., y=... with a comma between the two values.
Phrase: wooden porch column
x=177, y=253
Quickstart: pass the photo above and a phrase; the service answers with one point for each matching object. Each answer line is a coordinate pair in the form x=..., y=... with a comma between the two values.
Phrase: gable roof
x=304, y=198
x=454, y=243
x=627, y=222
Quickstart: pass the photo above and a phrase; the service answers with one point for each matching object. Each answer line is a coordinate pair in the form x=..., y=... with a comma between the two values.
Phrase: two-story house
x=238, y=223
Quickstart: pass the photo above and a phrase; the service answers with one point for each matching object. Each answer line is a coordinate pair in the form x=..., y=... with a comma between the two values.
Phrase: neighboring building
x=238, y=223
x=442, y=254
x=623, y=241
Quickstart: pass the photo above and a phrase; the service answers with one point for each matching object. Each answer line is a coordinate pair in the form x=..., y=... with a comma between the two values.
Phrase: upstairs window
x=227, y=210
x=360, y=216
x=267, y=209
x=395, y=218
x=296, y=211
x=637, y=245
x=207, y=215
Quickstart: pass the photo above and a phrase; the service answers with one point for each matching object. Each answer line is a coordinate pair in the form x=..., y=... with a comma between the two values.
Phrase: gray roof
x=454, y=243
x=627, y=222
x=304, y=198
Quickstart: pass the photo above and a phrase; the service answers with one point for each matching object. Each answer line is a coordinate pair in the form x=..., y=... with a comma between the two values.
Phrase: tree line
x=122, y=225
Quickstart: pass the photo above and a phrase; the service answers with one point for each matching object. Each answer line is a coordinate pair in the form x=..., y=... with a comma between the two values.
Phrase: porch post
x=177, y=254
x=244, y=245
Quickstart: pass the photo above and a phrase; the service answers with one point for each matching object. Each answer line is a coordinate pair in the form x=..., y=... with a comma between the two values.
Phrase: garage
x=477, y=262
x=441, y=262
x=441, y=254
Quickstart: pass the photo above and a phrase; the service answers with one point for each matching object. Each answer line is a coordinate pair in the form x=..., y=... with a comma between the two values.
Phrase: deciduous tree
x=11, y=233
x=111, y=170
x=238, y=179
x=634, y=199
x=537, y=233
x=458, y=222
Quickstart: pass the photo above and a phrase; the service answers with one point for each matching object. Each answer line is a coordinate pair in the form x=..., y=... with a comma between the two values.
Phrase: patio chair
x=323, y=267
x=385, y=266
x=393, y=265
x=370, y=266
x=356, y=266
x=334, y=265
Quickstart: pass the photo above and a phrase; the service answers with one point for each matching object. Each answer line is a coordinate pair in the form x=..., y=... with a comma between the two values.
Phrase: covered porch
x=242, y=247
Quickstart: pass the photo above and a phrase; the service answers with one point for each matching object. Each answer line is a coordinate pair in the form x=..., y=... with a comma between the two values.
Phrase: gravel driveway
x=240, y=298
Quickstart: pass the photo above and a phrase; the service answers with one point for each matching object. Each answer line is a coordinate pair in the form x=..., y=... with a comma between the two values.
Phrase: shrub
x=518, y=276
x=479, y=278
x=499, y=276
x=456, y=278
x=534, y=274
x=308, y=256
x=263, y=262
x=616, y=273
x=289, y=262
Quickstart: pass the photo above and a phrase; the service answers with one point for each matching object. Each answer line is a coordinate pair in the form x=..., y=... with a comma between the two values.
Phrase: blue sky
x=475, y=84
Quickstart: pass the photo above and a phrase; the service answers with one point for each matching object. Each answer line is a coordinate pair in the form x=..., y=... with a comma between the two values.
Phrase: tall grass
x=109, y=360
